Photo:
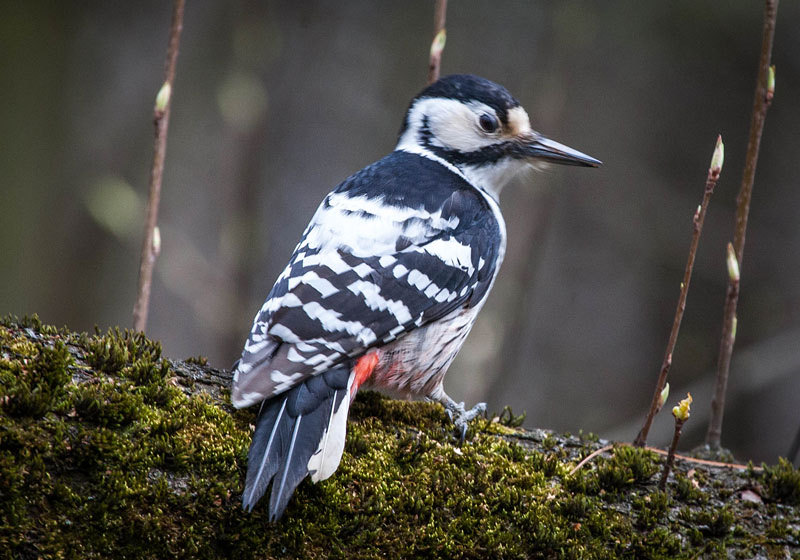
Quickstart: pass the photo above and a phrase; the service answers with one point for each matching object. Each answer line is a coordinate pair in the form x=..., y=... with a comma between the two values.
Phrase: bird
x=386, y=281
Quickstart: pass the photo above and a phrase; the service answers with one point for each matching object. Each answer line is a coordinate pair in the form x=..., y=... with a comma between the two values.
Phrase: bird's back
x=399, y=244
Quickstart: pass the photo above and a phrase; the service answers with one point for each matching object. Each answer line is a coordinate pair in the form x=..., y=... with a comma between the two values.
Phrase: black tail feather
x=262, y=460
x=288, y=432
x=295, y=467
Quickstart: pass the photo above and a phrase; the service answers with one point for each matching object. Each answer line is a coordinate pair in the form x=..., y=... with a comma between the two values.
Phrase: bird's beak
x=542, y=148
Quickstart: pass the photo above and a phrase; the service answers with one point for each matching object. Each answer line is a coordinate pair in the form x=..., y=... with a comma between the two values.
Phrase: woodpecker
x=386, y=281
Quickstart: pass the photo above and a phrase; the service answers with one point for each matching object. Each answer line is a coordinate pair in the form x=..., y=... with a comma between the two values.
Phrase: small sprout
x=681, y=412
x=733, y=264
x=734, y=324
x=719, y=156
x=664, y=396
x=162, y=98
x=770, y=83
x=438, y=43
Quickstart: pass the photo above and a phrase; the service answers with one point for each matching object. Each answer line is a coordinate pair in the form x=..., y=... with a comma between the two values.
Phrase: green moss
x=650, y=509
x=588, y=437
x=778, y=529
x=103, y=454
x=33, y=377
x=782, y=482
x=107, y=403
x=508, y=418
x=715, y=523
x=686, y=491
x=197, y=360
x=116, y=349
x=627, y=467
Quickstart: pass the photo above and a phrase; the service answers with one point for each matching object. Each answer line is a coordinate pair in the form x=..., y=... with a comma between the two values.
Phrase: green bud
x=664, y=396
x=719, y=156
x=771, y=81
x=438, y=43
x=162, y=98
x=681, y=412
x=733, y=264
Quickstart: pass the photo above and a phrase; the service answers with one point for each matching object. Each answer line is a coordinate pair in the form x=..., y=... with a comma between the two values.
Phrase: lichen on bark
x=107, y=449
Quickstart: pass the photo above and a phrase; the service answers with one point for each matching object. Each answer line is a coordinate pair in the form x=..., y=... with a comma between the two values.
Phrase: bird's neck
x=489, y=179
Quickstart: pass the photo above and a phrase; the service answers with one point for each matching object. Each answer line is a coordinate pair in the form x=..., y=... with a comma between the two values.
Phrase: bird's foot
x=461, y=416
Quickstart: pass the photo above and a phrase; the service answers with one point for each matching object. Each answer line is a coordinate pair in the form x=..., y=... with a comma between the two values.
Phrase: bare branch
x=151, y=244
x=714, y=171
x=765, y=89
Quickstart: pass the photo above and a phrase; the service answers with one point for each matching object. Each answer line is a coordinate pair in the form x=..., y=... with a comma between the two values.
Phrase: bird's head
x=481, y=129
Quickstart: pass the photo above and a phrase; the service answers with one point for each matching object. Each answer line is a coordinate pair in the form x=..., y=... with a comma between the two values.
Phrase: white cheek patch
x=453, y=124
x=518, y=122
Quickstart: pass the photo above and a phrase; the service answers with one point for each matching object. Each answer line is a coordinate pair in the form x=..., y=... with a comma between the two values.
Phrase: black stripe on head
x=467, y=87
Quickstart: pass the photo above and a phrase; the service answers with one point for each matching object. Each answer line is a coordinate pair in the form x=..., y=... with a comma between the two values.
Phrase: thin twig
x=699, y=217
x=662, y=484
x=439, y=35
x=151, y=245
x=706, y=462
x=681, y=414
x=684, y=458
x=761, y=102
x=727, y=340
x=590, y=456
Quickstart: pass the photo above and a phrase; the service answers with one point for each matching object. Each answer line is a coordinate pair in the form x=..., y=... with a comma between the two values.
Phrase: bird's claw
x=461, y=417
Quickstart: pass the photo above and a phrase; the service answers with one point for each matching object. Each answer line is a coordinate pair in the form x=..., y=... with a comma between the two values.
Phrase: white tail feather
x=325, y=460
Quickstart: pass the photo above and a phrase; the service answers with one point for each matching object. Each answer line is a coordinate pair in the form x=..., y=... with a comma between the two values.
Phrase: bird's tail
x=298, y=433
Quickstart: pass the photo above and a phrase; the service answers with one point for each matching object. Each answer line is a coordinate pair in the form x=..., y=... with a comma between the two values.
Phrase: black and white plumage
x=386, y=281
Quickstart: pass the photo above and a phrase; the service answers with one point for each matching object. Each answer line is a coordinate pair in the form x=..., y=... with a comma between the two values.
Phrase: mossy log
x=108, y=450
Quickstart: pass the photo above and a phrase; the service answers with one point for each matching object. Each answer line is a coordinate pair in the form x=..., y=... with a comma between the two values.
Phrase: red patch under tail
x=363, y=369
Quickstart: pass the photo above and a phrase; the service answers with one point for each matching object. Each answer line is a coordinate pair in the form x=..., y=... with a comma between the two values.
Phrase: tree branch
x=151, y=244
x=699, y=217
x=761, y=102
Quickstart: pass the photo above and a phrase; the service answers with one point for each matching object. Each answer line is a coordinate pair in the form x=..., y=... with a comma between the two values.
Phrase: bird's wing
x=364, y=274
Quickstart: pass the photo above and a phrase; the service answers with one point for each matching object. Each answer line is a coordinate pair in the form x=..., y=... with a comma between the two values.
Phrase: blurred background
x=276, y=102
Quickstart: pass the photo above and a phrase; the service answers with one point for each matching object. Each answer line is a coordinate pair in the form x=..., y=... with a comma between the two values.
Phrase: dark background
x=276, y=102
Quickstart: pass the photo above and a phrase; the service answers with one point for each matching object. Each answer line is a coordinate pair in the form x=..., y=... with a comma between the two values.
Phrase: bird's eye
x=488, y=123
